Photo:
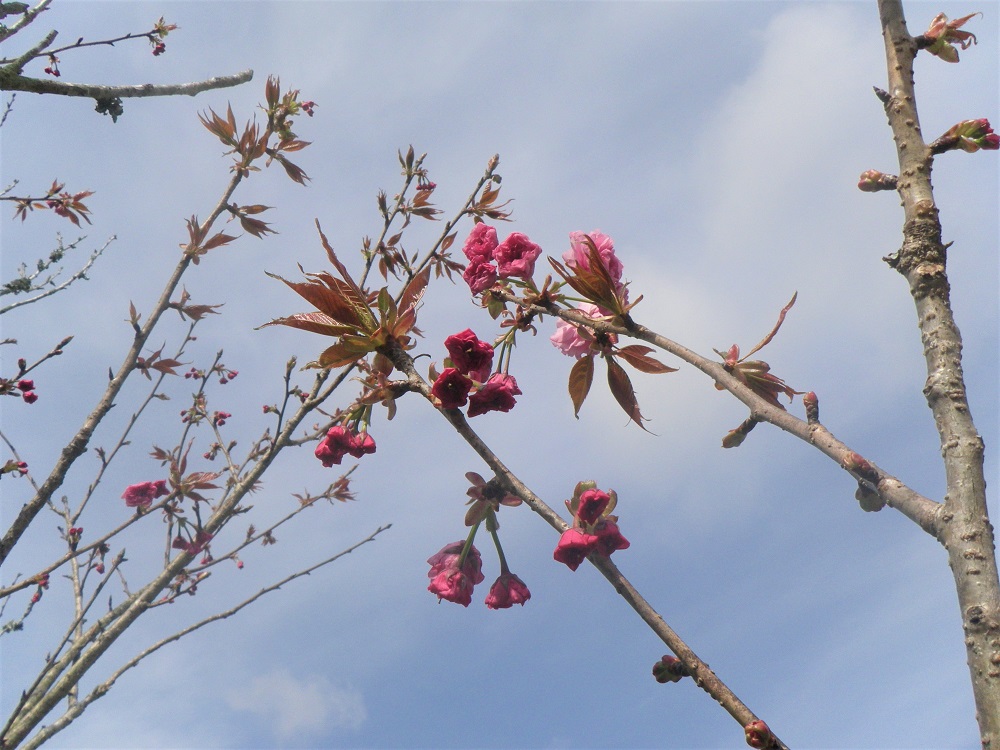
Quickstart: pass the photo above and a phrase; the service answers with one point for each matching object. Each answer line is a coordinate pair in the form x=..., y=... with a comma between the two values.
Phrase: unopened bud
x=758, y=734
x=872, y=181
x=669, y=669
x=811, y=402
x=860, y=468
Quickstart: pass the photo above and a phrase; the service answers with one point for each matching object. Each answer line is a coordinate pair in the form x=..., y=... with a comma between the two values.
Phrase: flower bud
x=872, y=181
x=811, y=402
x=860, y=468
x=669, y=669
x=758, y=734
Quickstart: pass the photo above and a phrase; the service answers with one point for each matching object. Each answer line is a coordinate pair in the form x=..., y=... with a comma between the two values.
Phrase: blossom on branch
x=141, y=495
x=497, y=394
x=507, y=591
x=339, y=442
x=516, y=256
x=573, y=547
x=452, y=389
x=469, y=355
x=452, y=577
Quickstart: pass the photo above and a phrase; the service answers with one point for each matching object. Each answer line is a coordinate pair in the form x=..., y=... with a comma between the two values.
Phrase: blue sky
x=719, y=144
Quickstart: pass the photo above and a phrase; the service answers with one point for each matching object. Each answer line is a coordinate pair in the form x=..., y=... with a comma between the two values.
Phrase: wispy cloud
x=297, y=707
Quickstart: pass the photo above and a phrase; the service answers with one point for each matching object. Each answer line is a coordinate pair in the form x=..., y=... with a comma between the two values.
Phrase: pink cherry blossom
x=480, y=276
x=507, y=591
x=141, y=495
x=567, y=338
x=592, y=505
x=480, y=244
x=579, y=253
x=574, y=546
x=449, y=579
x=516, y=256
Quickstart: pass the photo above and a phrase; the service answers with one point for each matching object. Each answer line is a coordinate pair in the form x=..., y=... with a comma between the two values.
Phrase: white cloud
x=294, y=707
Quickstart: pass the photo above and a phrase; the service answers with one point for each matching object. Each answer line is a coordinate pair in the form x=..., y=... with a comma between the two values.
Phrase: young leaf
x=636, y=355
x=581, y=376
x=621, y=389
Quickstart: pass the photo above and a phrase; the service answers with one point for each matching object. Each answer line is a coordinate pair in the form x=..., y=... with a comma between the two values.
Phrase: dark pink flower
x=480, y=276
x=362, y=444
x=29, y=397
x=574, y=546
x=609, y=538
x=516, y=256
x=480, y=244
x=579, y=253
x=454, y=580
x=452, y=389
x=141, y=495
x=592, y=504
x=337, y=444
x=506, y=591
x=26, y=385
x=469, y=355
x=496, y=395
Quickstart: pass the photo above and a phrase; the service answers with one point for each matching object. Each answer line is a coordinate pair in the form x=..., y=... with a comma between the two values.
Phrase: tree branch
x=965, y=531
x=702, y=674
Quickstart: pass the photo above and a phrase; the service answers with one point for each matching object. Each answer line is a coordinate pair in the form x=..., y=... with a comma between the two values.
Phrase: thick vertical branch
x=965, y=531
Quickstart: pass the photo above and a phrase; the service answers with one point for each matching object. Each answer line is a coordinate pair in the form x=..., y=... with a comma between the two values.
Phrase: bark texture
x=965, y=529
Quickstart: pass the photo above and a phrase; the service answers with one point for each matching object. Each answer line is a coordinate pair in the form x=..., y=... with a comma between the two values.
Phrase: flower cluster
x=141, y=495
x=514, y=257
x=340, y=441
x=466, y=378
x=457, y=568
x=593, y=529
x=569, y=338
x=27, y=388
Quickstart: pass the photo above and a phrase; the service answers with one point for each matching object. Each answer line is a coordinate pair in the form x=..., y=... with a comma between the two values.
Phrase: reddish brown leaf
x=636, y=355
x=218, y=240
x=580, y=378
x=621, y=389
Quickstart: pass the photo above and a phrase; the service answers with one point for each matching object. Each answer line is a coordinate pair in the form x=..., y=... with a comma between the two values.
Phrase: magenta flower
x=579, y=253
x=332, y=449
x=507, y=591
x=574, y=546
x=480, y=244
x=452, y=389
x=480, y=276
x=29, y=397
x=26, y=385
x=339, y=442
x=141, y=495
x=362, y=444
x=469, y=355
x=516, y=256
x=592, y=504
x=496, y=395
x=609, y=538
x=454, y=580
